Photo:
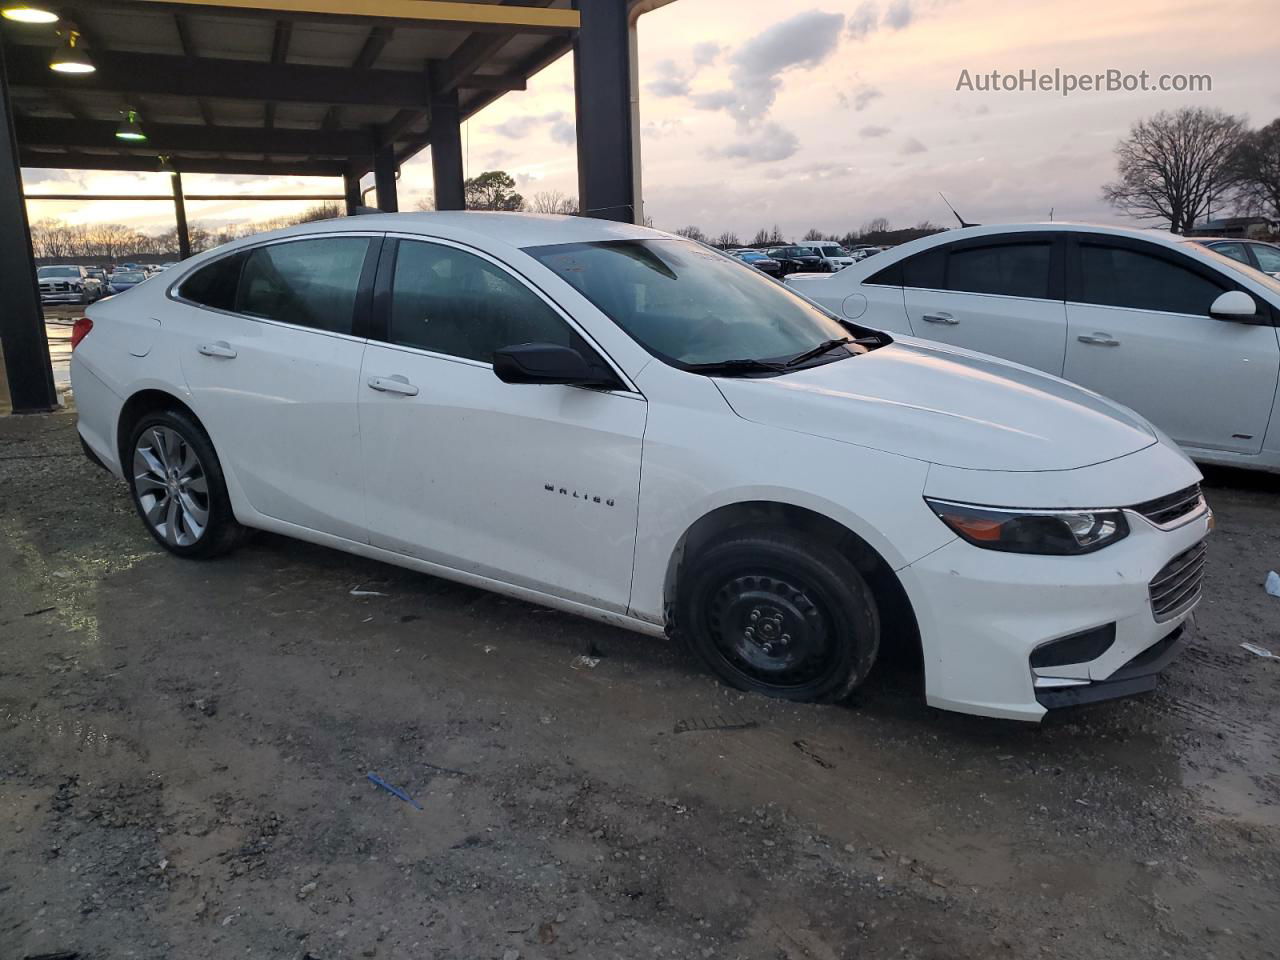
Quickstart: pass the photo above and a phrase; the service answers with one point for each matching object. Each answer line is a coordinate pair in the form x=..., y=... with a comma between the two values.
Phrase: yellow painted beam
x=429, y=11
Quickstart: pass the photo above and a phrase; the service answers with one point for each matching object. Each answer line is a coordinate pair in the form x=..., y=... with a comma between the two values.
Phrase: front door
x=534, y=485
x=1139, y=331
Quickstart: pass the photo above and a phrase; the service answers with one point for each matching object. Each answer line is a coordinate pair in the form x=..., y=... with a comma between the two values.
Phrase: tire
x=770, y=612
x=169, y=453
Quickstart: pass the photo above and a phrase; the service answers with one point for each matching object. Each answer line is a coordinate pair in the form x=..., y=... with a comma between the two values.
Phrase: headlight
x=1053, y=532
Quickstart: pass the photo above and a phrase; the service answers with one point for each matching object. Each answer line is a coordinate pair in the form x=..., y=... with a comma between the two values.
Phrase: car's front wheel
x=177, y=486
x=773, y=613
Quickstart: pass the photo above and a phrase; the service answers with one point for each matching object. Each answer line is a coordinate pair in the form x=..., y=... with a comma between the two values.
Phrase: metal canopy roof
x=308, y=87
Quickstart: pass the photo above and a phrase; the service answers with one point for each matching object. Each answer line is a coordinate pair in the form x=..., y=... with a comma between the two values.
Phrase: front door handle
x=946, y=318
x=1099, y=339
x=220, y=349
x=394, y=384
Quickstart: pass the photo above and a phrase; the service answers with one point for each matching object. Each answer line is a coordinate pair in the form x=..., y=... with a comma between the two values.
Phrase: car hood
x=947, y=407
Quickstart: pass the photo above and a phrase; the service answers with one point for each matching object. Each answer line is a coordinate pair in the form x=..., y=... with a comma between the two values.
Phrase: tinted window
x=1117, y=277
x=46, y=272
x=925, y=270
x=214, y=285
x=448, y=301
x=311, y=283
x=1235, y=251
x=1008, y=269
x=1268, y=258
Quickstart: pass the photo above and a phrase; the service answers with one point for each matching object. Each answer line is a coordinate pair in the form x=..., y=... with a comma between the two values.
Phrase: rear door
x=1000, y=295
x=271, y=349
x=1139, y=331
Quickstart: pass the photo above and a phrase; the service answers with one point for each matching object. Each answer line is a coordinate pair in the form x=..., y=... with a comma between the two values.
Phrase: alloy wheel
x=171, y=486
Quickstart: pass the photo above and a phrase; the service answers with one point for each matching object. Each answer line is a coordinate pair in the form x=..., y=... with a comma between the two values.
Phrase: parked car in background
x=798, y=259
x=760, y=261
x=813, y=493
x=836, y=256
x=1256, y=253
x=123, y=280
x=67, y=283
x=1160, y=323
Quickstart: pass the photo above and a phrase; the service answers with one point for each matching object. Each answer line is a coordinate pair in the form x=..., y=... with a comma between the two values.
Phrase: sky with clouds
x=755, y=113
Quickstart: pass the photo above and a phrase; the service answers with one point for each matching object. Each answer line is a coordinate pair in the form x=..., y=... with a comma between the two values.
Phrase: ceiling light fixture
x=27, y=13
x=70, y=57
x=130, y=129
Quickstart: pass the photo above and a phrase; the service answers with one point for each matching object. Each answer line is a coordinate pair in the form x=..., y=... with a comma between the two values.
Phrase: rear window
x=1007, y=269
x=214, y=285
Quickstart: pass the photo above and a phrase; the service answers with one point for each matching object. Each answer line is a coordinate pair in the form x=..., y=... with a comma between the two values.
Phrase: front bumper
x=981, y=614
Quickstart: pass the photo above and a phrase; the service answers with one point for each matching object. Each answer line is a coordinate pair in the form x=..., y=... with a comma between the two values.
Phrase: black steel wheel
x=771, y=613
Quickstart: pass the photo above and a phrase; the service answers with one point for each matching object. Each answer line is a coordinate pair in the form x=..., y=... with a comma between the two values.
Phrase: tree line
x=54, y=239
x=1182, y=166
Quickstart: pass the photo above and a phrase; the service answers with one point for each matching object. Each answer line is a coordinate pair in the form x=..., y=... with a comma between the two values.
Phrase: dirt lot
x=184, y=750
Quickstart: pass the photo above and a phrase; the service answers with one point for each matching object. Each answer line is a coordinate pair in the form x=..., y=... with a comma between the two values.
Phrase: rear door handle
x=394, y=384
x=220, y=349
x=1099, y=339
x=946, y=318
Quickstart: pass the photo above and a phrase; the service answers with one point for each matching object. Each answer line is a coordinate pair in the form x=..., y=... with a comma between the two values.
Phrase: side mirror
x=1234, y=305
x=547, y=363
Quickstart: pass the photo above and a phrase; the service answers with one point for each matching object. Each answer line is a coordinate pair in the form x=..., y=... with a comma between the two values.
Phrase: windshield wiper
x=746, y=365
x=827, y=346
x=824, y=347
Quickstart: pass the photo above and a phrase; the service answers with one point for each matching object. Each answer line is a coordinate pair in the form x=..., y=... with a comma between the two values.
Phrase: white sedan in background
x=1183, y=335
x=626, y=425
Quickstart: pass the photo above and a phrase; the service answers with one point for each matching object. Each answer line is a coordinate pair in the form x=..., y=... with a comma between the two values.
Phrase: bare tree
x=693, y=233
x=728, y=239
x=553, y=201
x=1175, y=166
x=428, y=202
x=814, y=233
x=1256, y=168
x=872, y=227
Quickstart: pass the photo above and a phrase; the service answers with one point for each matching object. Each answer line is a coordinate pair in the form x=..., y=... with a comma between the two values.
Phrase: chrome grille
x=1176, y=588
x=1166, y=510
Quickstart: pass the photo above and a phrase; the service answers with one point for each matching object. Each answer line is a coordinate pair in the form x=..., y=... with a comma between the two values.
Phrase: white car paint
x=580, y=498
x=1164, y=364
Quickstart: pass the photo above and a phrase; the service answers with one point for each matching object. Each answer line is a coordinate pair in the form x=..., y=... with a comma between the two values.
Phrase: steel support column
x=384, y=179
x=602, y=88
x=26, y=350
x=351, y=187
x=180, y=217
x=446, y=151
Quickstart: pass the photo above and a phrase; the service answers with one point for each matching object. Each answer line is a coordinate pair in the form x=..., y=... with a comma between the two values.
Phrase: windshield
x=1235, y=266
x=57, y=272
x=690, y=306
x=836, y=251
x=128, y=278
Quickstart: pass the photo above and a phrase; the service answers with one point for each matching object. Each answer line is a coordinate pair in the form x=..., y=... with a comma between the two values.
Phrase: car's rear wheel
x=773, y=613
x=177, y=486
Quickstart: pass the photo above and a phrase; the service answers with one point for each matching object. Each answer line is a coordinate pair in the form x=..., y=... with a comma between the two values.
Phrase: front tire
x=772, y=613
x=177, y=486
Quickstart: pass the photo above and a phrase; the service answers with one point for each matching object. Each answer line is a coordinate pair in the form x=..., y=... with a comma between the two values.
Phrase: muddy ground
x=184, y=749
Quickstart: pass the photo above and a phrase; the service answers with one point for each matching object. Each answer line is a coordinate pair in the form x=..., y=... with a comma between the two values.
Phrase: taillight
x=81, y=330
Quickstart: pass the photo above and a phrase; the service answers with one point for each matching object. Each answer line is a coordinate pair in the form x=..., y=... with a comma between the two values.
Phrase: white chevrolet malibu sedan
x=624, y=424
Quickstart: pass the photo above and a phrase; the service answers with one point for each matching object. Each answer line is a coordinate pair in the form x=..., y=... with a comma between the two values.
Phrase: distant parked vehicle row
x=758, y=259
x=68, y=283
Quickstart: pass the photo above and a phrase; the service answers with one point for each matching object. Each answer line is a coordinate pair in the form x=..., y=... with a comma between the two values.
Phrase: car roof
x=515, y=229
x=1150, y=234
